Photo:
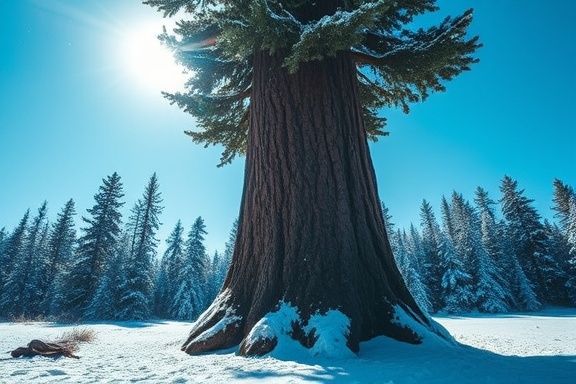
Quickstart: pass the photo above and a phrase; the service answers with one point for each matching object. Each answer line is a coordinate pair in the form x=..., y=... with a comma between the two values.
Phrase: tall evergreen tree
x=12, y=254
x=189, y=300
x=287, y=83
x=96, y=246
x=18, y=296
x=527, y=235
x=105, y=303
x=61, y=247
x=571, y=238
x=138, y=290
x=563, y=194
x=492, y=290
x=411, y=269
x=457, y=295
x=559, y=253
x=171, y=267
x=431, y=250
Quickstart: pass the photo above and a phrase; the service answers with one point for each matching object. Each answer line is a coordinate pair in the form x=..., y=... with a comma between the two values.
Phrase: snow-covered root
x=217, y=328
x=283, y=332
x=431, y=333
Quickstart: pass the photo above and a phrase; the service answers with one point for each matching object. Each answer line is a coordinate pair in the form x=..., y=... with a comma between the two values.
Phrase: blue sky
x=80, y=99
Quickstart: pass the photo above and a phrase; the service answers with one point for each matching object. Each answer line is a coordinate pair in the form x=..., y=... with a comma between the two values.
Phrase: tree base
x=322, y=334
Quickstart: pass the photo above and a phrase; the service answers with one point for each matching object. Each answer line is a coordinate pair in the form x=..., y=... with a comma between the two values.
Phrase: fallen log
x=42, y=348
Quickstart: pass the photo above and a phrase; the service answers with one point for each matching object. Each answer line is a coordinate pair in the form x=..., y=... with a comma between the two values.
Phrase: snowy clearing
x=513, y=348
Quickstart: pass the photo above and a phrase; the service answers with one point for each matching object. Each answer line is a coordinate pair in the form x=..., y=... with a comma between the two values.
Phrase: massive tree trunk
x=311, y=232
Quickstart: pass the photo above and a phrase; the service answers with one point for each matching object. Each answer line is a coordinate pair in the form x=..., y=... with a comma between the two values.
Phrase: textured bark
x=310, y=230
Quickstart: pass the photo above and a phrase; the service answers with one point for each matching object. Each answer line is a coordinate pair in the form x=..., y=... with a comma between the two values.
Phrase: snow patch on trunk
x=331, y=330
x=230, y=317
x=435, y=334
x=328, y=333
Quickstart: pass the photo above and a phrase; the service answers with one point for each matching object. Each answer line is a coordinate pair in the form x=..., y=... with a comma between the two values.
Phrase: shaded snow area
x=514, y=348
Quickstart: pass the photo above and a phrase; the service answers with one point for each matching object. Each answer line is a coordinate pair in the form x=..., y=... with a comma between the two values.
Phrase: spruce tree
x=571, y=238
x=138, y=289
x=411, y=269
x=96, y=246
x=18, y=296
x=527, y=235
x=190, y=294
x=105, y=303
x=456, y=283
x=61, y=247
x=170, y=268
x=297, y=87
x=431, y=250
x=563, y=194
x=492, y=290
x=11, y=256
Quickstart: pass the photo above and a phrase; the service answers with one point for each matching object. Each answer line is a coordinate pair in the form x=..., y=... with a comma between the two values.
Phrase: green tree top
x=397, y=62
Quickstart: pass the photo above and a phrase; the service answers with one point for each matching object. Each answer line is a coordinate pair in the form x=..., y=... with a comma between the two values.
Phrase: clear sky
x=80, y=98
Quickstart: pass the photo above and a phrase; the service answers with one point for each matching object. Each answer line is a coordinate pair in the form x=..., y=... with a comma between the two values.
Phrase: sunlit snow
x=512, y=348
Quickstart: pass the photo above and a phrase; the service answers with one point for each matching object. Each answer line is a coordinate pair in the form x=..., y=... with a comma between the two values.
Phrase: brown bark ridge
x=311, y=231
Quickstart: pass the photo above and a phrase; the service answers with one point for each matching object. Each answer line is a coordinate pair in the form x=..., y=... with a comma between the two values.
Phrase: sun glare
x=149, y=62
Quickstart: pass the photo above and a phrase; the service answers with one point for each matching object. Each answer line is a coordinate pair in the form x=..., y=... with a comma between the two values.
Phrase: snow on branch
x=336, y=32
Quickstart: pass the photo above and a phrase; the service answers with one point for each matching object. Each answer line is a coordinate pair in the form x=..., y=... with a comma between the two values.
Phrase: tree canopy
x=397, y=61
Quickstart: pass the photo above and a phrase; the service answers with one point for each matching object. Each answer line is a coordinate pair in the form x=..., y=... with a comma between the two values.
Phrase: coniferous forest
x=489, y=255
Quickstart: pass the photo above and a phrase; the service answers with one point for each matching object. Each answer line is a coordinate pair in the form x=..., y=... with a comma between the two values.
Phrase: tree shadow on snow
x=394, y=362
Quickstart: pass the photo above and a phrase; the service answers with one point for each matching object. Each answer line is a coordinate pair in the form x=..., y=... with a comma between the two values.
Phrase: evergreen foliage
x=431, y=250
x=136, y=300
x=190, y=298
x=60, y=253
x=456, y=282
x=524, y=226
x=44, y=270
x=96, y=246
x=19, y=295
x=171, y=266
x=396, y=64
x=13, y=250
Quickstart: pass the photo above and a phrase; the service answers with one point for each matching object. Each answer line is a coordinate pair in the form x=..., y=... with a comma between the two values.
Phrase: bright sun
x=150, y=63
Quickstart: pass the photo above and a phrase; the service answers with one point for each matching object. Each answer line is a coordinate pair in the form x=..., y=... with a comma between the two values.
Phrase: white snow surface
x=535, y=347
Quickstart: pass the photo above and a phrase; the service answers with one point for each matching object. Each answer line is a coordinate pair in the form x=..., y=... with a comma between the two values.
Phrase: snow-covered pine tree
x=492, y=289
x=457, y=284
x=411, y=268
x=562, y=196
x=18, y=296
x=105, y=304
x=38, y=278
x=12, y=254
x=213, y=283
x=559, y=252
x=137, y=296
x=59, y=255
x=571, y=237
x=407, y=250
x=528, y=237
x=431, y=249
x=297, y=86
x=190, y=295
x=171, y=266
x=96, y=246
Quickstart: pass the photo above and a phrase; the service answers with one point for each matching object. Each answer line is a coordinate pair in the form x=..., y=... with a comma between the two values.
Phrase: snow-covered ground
x=514, y=348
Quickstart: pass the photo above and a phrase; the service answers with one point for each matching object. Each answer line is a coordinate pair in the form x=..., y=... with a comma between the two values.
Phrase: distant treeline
x=111, y=271
x=487, y=256
x=490, y=256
